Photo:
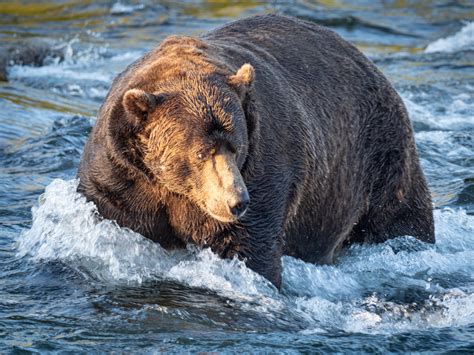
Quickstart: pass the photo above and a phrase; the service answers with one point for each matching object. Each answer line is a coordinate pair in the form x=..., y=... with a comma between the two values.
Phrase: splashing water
x=388, y=288
x=75, y=233
x=464, y=39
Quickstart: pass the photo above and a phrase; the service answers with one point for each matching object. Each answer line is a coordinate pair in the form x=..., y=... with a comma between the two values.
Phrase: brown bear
x=265, y=137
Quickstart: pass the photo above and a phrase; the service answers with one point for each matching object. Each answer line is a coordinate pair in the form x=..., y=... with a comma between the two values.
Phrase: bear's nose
x=238, y=204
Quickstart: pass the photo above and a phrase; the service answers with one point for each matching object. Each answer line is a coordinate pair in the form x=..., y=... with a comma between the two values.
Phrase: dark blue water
x=69, y=283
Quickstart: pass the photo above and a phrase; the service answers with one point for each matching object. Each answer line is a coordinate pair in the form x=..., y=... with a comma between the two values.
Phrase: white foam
x=349, y=296
x=120, y=8
x=66, y=227
x=464, y=39
x=456, y=115
x=61, y=71
x=375, y=316
x=76, y=66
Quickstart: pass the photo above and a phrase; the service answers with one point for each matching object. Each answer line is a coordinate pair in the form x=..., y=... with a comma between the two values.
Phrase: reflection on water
x=72, y=282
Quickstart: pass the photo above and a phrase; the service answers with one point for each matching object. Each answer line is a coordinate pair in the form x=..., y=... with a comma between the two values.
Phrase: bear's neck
x=190, y=223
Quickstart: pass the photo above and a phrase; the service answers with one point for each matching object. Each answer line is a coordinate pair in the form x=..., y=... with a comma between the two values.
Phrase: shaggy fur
x=321, y=139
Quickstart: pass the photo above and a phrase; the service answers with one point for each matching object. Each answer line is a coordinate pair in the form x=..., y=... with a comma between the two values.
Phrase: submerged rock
x=33, y=53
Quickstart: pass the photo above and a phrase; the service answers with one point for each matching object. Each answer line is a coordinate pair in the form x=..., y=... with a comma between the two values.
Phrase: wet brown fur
x=321, y=139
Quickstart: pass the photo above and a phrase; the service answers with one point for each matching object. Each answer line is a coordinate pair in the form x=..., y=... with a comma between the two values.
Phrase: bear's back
x=301, y=58
x=297, y=44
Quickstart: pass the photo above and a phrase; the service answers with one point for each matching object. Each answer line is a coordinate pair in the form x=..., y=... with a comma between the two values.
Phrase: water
x=71, y=282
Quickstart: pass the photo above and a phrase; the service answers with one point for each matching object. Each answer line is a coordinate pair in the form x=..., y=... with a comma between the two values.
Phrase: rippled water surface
x=69, y=282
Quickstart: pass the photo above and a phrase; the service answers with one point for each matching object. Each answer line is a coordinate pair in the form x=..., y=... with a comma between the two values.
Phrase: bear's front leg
x=259, y=245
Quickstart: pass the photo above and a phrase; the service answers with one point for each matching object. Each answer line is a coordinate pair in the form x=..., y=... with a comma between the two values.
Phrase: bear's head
x=190, y=136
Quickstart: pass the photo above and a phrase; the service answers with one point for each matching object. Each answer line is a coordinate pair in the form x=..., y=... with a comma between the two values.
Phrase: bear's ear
x=138, y=104
x=243, y=79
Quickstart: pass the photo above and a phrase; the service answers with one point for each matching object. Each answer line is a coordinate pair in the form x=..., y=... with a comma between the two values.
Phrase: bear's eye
x=205, y=154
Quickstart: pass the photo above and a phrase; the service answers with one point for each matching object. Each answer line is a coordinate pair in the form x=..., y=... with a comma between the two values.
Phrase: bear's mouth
x=225, y=219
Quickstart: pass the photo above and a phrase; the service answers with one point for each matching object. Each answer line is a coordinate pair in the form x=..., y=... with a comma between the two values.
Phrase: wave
x=455, y=115
x=120, y=8
x=82, y=72
x=462, y=40
x=397, y=286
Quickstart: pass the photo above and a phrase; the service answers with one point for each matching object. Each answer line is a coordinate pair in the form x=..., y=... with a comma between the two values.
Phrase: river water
x=70, y=283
